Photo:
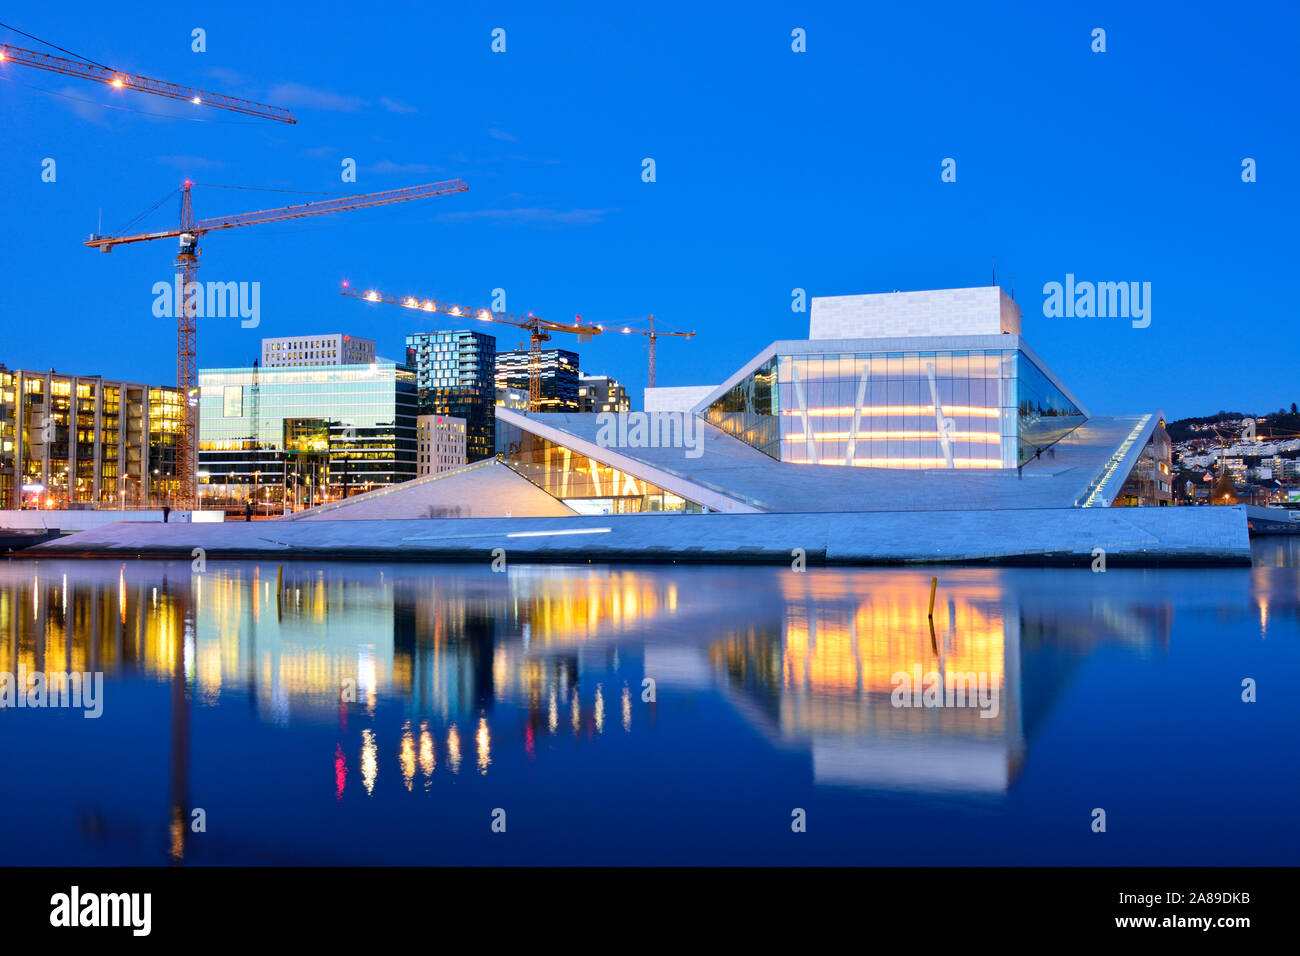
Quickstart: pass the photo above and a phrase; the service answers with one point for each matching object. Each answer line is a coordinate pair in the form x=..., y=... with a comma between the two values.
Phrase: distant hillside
x=1281, y=424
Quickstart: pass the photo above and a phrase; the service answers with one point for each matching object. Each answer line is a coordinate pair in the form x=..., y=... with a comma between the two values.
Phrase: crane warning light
x=197, y=100
x=118, y=82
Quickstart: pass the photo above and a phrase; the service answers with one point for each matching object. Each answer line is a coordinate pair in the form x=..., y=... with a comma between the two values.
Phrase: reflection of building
x=79, y=439
x=600, y=393
x=304, y=435
x=440, y=441
x=303, y=350
x=454, y=374
x=559, y=376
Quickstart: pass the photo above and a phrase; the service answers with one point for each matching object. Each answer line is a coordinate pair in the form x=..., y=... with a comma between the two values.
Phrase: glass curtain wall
x=584, y=484
x=991, y=408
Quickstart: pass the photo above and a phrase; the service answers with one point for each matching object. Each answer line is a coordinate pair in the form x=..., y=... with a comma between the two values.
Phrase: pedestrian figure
x=166, y=511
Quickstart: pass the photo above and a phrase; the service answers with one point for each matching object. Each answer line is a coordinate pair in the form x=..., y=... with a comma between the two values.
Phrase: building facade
x=440, y=443
x=600, y=393
x=559, y=377
x=293, y=437
x=455, y=376
x=311, y=350
x=515, y=398
x=70, y=441
x=900, y=401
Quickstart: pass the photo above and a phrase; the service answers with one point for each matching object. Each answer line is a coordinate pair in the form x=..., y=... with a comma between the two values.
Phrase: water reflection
x=483, y=668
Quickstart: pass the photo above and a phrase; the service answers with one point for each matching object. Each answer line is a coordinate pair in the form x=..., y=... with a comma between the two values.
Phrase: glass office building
x=559, y=374
x=297, y=437
x=455, y=375
x=960, y=408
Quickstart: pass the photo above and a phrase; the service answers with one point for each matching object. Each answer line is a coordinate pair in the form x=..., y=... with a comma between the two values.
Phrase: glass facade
x=942, y=409
x=584, y=484
x=559, y=376
x=455, y=375
x=750, y=411
x=298, y=437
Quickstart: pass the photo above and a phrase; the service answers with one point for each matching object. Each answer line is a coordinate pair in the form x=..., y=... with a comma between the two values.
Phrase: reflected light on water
x=805, y=664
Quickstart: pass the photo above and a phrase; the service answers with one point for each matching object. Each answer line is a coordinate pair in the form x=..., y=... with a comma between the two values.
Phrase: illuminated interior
x=990, y=408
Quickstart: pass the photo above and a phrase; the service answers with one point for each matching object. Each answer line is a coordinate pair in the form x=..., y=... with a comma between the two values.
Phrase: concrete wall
x=980, y=311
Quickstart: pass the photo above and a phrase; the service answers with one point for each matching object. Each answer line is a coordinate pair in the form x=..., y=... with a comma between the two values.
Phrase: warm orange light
x=372, y=296
x=196, y=100
x=118, y=82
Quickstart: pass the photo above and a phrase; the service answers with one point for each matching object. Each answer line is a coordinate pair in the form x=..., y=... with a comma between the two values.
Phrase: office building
x=559, y=376
x=313, y=350
x=83, y=441
x=600, y=393
x=455, y=376
x=516, y=398
x=440, y=443
x=292, y=437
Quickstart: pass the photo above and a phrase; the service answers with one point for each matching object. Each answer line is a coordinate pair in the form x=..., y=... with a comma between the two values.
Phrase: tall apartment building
x=305, y=350
x=559, y=376
x=71, y=441
x=600, y=393
x=454, y=376
x=440, y=443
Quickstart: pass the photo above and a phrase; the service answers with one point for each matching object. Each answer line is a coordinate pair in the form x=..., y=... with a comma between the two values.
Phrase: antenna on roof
x=994, y=260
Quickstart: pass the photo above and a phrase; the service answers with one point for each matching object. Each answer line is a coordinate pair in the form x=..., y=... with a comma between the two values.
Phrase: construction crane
x=539, y=330
x=144, y=84
x=651, y=334
x=187, y=262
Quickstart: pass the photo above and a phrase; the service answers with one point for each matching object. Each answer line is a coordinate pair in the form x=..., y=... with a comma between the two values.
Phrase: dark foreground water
x=521, y=697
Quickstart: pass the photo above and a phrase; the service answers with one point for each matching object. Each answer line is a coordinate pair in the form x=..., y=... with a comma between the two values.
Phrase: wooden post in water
x=279, y=590
x=934, y=583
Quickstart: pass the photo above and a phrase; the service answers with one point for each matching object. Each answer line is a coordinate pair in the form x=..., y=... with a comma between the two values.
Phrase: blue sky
x=775, y=170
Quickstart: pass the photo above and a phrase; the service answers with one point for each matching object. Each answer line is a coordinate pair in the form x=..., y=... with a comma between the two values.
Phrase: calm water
x=524, y=691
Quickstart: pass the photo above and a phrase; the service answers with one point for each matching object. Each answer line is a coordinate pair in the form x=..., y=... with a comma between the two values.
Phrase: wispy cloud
x=189, y=162
x=530, y=215
x=228, y=77
x=296, y=94
x=386, y=167
x=74, y=99
x=497, y=133
x=397, y=106
x=319, y=152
